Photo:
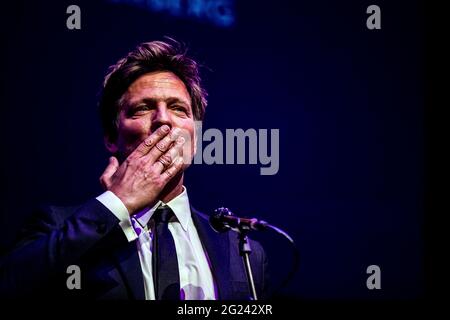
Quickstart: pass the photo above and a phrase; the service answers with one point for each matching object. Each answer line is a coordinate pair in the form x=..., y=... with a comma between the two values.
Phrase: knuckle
x=180, y=140
x=166, y=159
x=179, y=163
x=161, y=145
x=157, y=166
x=149, y=174
x=169, y=173
x=148, y=142
x=141, y=162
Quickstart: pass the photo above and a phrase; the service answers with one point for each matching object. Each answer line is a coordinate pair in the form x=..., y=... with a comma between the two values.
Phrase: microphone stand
x=220, y=223
x=244, y=251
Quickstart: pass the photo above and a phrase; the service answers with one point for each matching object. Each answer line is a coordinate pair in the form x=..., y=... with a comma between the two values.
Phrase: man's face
x=154, y=99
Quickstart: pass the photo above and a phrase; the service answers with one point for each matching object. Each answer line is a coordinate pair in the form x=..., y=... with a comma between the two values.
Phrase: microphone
x=223, y=220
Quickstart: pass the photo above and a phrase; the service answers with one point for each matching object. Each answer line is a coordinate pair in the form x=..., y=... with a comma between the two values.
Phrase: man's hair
x=149, y=57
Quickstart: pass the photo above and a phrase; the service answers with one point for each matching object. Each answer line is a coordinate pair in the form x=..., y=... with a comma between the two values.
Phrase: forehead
x=160, y=85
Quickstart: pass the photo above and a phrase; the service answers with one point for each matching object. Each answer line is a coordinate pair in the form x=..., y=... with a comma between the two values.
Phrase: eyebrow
x=169, y=100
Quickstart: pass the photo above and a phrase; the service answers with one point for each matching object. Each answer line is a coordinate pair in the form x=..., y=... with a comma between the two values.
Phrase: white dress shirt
x=196, y=280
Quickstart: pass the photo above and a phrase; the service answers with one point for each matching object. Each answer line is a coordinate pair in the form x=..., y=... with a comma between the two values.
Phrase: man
x=123, y=246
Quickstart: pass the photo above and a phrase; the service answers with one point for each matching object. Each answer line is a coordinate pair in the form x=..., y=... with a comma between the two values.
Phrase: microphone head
x=216, y=221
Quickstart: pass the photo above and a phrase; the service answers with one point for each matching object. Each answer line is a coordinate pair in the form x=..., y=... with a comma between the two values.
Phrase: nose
x=160, y=117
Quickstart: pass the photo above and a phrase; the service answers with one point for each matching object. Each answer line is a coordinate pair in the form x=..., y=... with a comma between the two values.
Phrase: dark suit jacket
x=90, y=236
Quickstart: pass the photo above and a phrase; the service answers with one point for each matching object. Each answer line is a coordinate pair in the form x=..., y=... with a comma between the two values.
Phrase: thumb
x=105, y=179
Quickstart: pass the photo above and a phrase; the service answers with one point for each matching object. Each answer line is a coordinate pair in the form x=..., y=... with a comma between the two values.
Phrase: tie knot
x=163, y=214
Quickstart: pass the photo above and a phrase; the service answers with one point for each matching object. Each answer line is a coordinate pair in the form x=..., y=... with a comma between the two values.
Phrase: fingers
x=150, y=142
x=166, y=159
x=162, y=146
x=112, y=167
x=172, y=170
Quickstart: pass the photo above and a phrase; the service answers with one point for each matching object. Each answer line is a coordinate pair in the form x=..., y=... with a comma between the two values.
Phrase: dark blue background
x=348, y=101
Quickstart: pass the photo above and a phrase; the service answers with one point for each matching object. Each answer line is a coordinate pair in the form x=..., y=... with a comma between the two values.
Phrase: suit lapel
x=215, y=244
x=217, y=248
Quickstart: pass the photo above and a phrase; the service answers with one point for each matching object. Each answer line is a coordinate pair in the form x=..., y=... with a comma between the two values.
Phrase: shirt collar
x=179, y=205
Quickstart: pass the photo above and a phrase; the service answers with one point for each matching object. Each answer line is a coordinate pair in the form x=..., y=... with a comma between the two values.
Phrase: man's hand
x=141, y=177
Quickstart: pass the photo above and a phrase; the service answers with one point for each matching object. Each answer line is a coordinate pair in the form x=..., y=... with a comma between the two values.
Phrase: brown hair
x=148, y=57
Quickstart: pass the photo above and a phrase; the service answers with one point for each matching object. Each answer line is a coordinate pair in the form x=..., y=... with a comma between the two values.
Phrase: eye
x=142, y=107
x=179, y=108
x=139, y=109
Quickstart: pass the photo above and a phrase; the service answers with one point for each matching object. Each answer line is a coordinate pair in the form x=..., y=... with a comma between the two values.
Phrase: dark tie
x=166, y=278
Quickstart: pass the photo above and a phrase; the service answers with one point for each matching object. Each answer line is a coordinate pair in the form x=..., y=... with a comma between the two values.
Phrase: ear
x=110, y=145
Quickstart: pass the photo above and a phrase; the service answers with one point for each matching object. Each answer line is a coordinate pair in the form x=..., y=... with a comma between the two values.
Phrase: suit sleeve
x=51, y=242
